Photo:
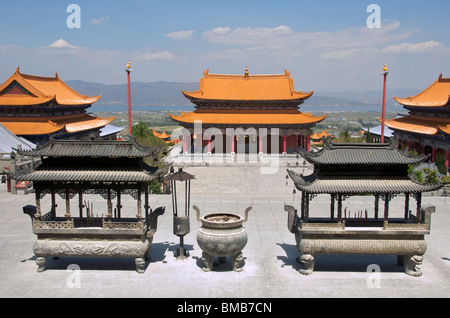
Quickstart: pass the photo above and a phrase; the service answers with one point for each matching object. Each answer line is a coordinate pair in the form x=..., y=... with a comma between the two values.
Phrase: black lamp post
x=181, y=225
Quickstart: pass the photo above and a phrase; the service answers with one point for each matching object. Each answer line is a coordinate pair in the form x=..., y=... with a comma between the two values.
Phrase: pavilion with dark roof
x=344, y=170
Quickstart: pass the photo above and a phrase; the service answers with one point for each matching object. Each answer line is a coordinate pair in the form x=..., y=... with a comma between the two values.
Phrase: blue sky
x=326, y=45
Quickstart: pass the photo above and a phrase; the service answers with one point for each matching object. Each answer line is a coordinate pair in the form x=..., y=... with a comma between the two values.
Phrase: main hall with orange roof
x=37, y=107
x=268, y=104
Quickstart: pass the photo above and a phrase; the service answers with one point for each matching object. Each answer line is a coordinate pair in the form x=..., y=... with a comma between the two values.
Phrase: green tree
x=430, y=176
x=368, y=138
x=155, y=187
x=419, y=176
x=440, y=163
x=344, y=136
x=145, y=138
x=141, y=130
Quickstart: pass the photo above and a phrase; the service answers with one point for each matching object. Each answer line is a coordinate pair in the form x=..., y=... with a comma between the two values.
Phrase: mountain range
x=168, y=96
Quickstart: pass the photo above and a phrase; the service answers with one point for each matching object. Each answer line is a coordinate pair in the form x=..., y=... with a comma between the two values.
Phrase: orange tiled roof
x=42, y=125
x=420, y=124
x=248, y=118
x=42, y=90
x=23, y=100
x=320, y=135
x=436, y=95
x=163, y=135
x=247, y=87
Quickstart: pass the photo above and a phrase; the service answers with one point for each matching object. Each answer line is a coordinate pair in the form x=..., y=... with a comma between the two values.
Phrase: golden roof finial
x=385, y=68
x=246, y=71
x=17, y=69
x=128, y=65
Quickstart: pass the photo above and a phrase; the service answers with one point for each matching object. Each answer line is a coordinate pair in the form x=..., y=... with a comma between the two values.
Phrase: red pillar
x=209, y=144
x=308, y=143
x=433, y=154
x=185, y=143
x=284, y=143
x=199, y=143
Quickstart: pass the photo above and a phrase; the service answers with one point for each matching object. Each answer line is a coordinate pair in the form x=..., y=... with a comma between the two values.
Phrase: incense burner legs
x=236, y=261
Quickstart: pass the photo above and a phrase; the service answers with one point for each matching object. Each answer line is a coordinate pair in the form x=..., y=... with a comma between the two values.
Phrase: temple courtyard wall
x=270, y=269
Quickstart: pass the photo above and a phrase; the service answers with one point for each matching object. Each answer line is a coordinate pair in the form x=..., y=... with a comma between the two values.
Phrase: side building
x=248, y=113
x=36, y=108
x=426, y=128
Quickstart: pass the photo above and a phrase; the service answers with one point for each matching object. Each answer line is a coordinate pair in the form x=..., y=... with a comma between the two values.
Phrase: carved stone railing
x=43, y=225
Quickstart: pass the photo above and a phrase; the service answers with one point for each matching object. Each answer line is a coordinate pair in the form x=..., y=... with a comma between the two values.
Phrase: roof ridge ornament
x=327, y=143
x=393, y=144
x=246, y=72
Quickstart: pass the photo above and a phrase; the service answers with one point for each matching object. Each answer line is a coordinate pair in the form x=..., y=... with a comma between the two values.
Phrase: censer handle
x=198, y=212
x=246, y=213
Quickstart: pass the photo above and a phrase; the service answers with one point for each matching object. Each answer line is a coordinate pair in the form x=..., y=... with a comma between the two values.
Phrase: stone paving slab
x=270, y=269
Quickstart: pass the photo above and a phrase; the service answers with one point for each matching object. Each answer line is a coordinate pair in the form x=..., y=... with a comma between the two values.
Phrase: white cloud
x=99, y=20
x=181, y=35
x=247, y=36
x=413, y=47
x=402, y=48
x=166, y=55
x=217, y=31
x=62, y=44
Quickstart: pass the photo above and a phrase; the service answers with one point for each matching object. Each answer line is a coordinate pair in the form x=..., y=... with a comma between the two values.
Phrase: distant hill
x=168, y=94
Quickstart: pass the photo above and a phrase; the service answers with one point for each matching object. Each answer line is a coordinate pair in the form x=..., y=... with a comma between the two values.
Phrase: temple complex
x=427, y=127
x=259, y=112
x=36, y=107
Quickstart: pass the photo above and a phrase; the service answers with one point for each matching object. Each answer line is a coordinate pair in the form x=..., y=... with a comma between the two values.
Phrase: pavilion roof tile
x=361, y=185
x=92, y=148
x=77, y=175
x=360, y=154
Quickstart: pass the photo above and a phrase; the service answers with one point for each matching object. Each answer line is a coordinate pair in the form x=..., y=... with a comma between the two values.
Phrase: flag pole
x=385, y=73
x=129, y=70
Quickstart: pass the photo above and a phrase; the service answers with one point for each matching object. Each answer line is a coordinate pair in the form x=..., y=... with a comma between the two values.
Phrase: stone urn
x=222, y=235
